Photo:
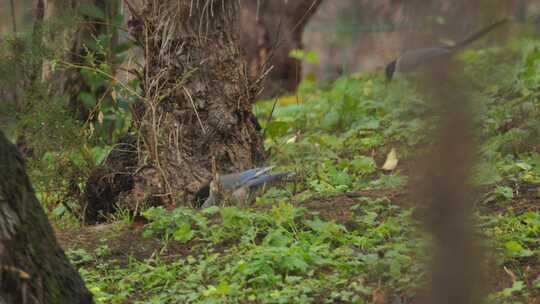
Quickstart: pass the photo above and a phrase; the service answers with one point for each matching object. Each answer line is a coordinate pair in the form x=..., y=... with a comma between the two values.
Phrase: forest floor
x=119, y=243
x=126, y=240
x=345, y=231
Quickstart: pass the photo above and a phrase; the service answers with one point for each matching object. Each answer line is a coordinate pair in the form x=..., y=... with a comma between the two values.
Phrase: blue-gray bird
x=413, y=59
x=240, y=187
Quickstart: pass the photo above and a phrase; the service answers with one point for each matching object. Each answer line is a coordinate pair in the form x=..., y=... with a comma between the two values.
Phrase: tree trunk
x=197, y=98
x=269, y=31
x=33, y=267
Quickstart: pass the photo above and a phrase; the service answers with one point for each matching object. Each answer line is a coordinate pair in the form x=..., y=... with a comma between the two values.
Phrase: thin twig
x=270, y=116
x=305, y=15
x=195, y=109
x=109, y=76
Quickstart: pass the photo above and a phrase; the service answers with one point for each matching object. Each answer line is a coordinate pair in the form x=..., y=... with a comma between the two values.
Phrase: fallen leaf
x=378, y=297
x=292, y=140
x=100, y=117
x=114, y=95
x=391, y=161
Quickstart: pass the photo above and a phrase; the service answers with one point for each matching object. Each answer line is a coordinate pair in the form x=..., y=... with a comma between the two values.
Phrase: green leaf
x=277, y=128
x=370, y=259
x=122, y=47
x=363, y=164
x=99, y=154
x=536, y=283
x=523, y=166
x=59, y=210
x=297, y=54
x=88, y=100
x=516, y=286
x=486, y=175
x=123, y=103
x=513, y=246
x=340, y=178
x=294, y=262
x=330, y=120
x=316, y=225
x=331, y=141
x=505, y=192
x=48, y=158
x=369, y=124
x=312, y=57
x=184, y=233
x=77, y=159
x=117, y=20
x=277, y=238
x=516, y=249
x=224, y=288
x=91, y=10
x=532, y=218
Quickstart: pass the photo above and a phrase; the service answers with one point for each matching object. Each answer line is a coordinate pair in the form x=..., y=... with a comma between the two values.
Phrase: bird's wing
x=266, y=178
x=251, y=174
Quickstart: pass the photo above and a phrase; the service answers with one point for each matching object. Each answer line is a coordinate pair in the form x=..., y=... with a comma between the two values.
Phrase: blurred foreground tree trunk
x=269, y=31
x=33, y=267
x=196, y=110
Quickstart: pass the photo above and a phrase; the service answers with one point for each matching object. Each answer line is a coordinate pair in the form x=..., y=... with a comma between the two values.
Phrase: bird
x=412, y=59
x=240, y=187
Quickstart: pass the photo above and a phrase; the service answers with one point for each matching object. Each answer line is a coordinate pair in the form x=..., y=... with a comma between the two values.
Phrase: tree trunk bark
x=33, y=267
x=269, y=31
x=197, y=98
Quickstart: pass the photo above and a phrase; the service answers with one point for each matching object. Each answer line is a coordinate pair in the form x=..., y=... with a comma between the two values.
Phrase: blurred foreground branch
x=455, y=276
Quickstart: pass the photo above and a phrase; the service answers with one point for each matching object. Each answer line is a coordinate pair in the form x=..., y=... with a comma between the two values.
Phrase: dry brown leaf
x=378, y=297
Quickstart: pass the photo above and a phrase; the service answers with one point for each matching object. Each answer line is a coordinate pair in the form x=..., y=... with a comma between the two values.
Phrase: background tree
x=370, y=33
x=81, y=28
x=269, y=31
x=53, y=62
x=33, y=267
x=65, y=102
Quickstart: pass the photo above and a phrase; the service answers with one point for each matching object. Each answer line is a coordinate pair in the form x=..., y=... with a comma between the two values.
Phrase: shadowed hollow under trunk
x=33, y=267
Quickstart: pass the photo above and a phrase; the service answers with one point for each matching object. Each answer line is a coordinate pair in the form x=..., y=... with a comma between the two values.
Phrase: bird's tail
x=269, y=178
x=472, y=38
